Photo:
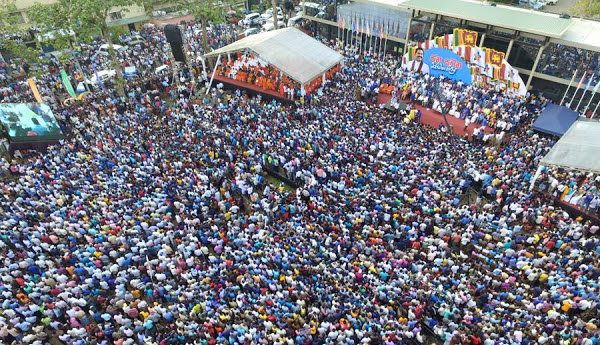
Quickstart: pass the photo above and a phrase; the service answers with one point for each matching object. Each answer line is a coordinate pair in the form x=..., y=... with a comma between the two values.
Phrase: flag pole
x=587, y=86
x=588, y=104
x=568, y=87
x=578, y=87
x=387, y=34
x=594, y=112
x=591, y=98
x=368, y=37
x=338, y=25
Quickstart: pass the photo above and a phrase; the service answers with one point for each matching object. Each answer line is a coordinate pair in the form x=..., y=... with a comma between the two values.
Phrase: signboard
x=485, y=66
x=27, y=122
x=444, y=62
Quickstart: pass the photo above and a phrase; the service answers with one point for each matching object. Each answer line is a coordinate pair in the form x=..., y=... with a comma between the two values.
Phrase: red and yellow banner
x=465, y=38
x=494, y=57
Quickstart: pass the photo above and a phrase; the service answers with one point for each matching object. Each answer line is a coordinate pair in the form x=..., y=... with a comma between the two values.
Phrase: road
x=562, y=6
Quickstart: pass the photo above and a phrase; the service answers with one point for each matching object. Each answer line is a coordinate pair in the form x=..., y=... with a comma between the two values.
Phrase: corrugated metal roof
x=544, y=24
x=296, y=54
x=583, y=33
x=578, y=148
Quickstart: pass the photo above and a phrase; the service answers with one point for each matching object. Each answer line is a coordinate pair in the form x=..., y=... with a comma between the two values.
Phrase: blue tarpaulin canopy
x=555, y=120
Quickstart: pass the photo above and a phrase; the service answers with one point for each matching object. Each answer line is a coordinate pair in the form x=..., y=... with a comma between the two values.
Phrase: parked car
x=103, y=50
x=269, y=13
x=294, y=20
x=136, y=40
x=251, y=31
x=93, y=83
x=268, y=26
x=250, y=19
x=535, y=4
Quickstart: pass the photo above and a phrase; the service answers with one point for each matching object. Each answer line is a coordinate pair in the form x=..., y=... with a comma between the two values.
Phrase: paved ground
x=562, y=6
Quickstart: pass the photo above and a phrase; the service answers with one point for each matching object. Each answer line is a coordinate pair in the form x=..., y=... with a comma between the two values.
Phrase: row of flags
x=587, y=86
x=485, y=64
x=371, y=27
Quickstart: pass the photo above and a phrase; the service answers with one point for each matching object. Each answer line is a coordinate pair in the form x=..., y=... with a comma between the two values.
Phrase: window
x=115, y=15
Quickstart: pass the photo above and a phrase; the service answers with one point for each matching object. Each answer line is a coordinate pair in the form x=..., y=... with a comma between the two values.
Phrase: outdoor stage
x=250, y=87
x=433, y=118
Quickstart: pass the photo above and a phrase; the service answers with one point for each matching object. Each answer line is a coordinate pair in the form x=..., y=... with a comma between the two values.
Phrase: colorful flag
x=411, y=53
x=581, y=80
x=588, y=83
x=497, y=57
x=97, y=77
x=67, y=83
x=380, y=31
x=458, y=39
x=34, y=89
x=469, y=38
x=467, y=56
x=596, y=88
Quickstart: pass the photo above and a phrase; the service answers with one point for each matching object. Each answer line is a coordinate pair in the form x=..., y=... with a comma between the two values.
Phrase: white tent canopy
x=578, y=148
x=296, y=54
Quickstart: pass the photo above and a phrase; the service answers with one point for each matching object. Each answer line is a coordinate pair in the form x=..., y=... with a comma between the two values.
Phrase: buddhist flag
x=393, y=27
x=381, y=31
x=34, y=89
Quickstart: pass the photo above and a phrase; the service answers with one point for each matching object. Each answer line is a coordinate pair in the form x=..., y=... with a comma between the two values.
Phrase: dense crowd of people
x=562, y=61
x=155, y=222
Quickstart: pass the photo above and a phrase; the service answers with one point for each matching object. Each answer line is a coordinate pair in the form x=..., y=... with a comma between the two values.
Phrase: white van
x=103, y=50
x=294, y=20
x=250, y=19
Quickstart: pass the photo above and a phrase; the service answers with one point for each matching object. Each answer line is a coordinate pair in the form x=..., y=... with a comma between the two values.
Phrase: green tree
x=12, y=33
x=205, y=11
x=60, y=27
x=85, y=17
x=586, y=8
x=275, y=13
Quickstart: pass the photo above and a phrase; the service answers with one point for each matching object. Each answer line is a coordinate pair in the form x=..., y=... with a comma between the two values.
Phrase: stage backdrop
x=487, y=66
x=29, y=122
x=447, y=63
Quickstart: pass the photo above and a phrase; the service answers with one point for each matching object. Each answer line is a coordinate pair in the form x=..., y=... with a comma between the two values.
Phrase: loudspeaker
x=177, y=51
x=173, y=34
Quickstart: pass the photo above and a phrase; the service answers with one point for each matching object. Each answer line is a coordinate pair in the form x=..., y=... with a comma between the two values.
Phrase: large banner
x=487, y=66
x=444, y=62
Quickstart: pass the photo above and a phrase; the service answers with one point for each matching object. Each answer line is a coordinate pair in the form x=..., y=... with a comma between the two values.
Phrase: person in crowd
x=154, y=222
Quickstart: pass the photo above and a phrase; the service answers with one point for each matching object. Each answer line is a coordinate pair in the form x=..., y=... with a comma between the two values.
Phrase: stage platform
x=250, y=87
x=433, y=118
